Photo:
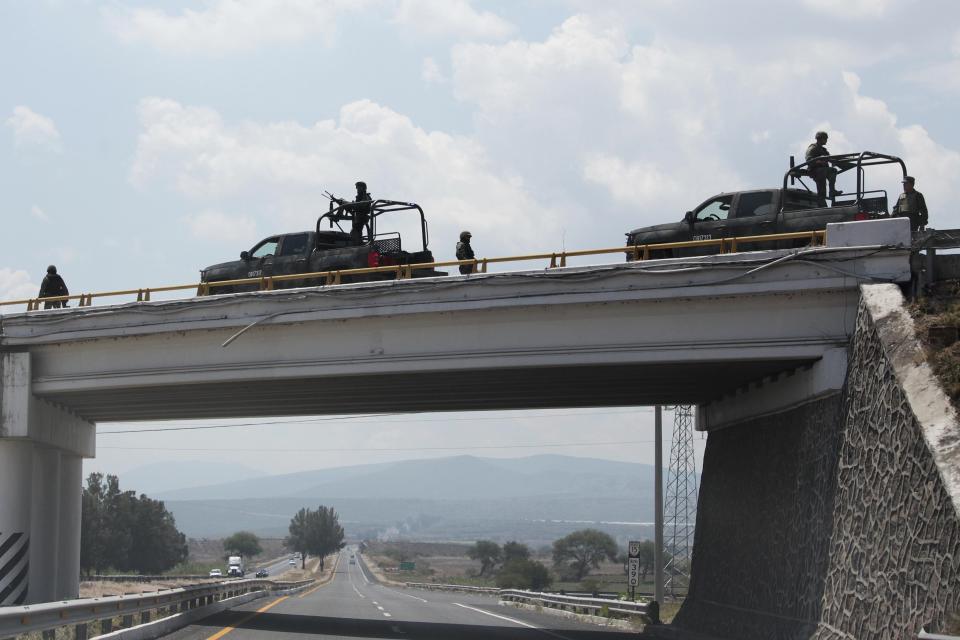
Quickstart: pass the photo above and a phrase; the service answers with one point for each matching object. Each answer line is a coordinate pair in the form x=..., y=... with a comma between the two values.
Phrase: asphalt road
x=352, y=606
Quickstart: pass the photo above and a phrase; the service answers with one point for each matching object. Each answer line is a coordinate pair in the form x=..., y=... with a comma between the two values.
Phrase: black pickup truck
x=326, y=250
x=767, y=211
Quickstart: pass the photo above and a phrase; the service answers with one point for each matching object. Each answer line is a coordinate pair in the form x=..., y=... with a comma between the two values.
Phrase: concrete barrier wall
x=837, y=519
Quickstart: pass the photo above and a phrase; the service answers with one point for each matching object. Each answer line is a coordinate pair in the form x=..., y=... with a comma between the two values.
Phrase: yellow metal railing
x=404, y=271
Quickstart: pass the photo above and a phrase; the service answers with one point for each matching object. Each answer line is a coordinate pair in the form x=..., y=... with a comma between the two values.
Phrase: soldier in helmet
x=911, y=205
x=465, y=251
x=820, y=170
x=361, y=213
x=52, y=286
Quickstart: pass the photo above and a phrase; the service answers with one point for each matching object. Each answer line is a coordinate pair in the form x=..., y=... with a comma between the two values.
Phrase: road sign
x=633, y=572
x=633, y=549
x=408, y=566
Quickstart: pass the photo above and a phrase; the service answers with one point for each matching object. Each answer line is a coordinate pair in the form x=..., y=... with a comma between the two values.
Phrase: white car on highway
x=216, y=573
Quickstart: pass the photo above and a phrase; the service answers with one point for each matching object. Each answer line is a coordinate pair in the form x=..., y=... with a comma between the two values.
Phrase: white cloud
x=31, y=129
x=228, y=26
x=216, y=226
x=851, y=9
x=955, y=45
x=15, y=284
x=451, y=18
x=665, y=124
x=39, y=214
x=277, y=171
x=430, y=71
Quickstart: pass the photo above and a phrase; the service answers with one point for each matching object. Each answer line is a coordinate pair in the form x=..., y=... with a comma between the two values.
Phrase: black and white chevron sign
x=14, y=566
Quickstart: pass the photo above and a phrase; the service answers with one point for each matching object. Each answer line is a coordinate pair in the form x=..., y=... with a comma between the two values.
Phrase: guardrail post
x=106, y=626
x=49, y=634
x=144, y=617
x=127, y=621
x=80, y=631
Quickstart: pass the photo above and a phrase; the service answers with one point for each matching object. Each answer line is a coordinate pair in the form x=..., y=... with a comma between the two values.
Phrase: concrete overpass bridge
x=740, y=335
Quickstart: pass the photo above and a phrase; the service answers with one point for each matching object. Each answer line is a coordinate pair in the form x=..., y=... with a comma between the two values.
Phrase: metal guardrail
x=578, y=604
x=50, y=616
x=140, y=578
x=431, y=586
x=557, y=259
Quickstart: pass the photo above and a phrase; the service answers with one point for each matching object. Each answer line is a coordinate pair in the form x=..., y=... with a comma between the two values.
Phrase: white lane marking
x=381, y=608
x=513, y=620
x=376, y=603
x=358, y=592
x=386, y=615
x=410, y=596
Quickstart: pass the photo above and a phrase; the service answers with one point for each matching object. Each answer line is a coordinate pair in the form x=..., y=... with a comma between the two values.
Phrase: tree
x=298, y=540
x=515, y=551
x=121, y=531
x=317, y=532
x=242, y=543
x=523, y=573
x=487, y=552
x=583, y=549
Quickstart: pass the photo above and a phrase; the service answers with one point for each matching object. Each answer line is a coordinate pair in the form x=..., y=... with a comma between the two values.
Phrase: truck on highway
x=235, y=566
x=327, y=249
x=758, y=212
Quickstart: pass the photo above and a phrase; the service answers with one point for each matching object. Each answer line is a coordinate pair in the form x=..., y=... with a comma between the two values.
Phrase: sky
x=143, y=141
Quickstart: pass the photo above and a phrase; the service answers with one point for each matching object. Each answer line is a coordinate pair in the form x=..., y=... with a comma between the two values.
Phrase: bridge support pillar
x=41, y=449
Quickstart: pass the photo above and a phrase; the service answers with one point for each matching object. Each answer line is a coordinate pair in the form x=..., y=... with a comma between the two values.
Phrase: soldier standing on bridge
x=53, y=285
x=911, y=205
x=820, y=170
x=361, y=213
x=465, y=252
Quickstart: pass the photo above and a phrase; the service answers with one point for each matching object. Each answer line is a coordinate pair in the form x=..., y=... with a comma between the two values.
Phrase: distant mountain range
x=534, y=499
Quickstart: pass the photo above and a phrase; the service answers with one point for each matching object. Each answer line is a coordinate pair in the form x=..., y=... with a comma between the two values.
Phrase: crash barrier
x=431, y=586
x=578, y=604
x=140, y=578
x=80, y=614
x=637, y=252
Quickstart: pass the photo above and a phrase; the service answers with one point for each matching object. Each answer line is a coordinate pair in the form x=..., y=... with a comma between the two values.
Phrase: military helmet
x=361, y=184
x=52, y=270
x=821, y=134
x=465, y=236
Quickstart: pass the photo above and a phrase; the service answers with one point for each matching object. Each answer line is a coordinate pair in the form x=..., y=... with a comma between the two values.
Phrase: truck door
x=754, y=214
x=292, y=257
x=709, y=223
x=261, y=258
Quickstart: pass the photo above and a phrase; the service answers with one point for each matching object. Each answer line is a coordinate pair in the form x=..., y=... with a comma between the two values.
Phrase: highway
x=354, y=606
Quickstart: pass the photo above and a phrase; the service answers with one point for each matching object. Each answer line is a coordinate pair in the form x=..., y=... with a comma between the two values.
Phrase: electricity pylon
x=680, y=506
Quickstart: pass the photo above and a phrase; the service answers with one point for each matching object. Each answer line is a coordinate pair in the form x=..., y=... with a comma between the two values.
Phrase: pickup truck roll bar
x=843, y=162
x=347, y=210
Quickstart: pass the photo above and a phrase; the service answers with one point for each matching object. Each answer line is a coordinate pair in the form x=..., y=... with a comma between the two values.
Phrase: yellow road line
x=226, y=630
x=333, y=575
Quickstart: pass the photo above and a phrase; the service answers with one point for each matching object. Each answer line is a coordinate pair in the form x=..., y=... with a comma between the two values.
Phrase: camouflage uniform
x=912, y=205
x=465, y=252
x=53, y=285
x=821, y=171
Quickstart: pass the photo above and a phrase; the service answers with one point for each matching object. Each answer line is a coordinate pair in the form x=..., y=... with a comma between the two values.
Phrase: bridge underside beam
x=462, y=390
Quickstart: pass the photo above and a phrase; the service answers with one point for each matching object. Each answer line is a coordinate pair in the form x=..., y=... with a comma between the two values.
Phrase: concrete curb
x=614, y=623
x=929, y=403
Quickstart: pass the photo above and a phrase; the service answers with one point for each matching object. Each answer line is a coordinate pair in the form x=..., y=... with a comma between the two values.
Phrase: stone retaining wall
x=838, y=519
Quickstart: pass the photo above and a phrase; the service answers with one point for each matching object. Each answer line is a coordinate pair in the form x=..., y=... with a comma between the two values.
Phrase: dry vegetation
x=937, y=318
